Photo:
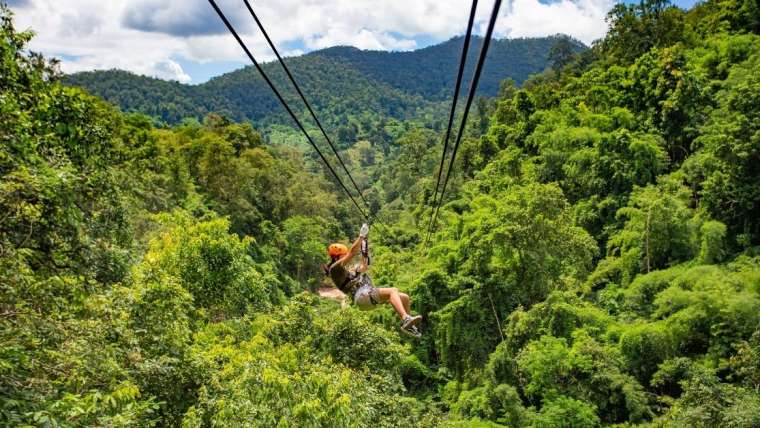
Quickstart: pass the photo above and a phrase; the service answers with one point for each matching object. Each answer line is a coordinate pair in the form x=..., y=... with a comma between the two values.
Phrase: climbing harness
x=365, y=250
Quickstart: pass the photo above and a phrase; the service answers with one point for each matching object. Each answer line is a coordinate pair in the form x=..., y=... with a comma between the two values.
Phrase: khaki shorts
x=366, y=297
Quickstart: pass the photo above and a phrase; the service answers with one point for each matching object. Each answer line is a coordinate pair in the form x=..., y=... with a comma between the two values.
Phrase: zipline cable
x=468, y=104
x=462, y=61
x=303, y=98
x=372, y=217
x=285, y=104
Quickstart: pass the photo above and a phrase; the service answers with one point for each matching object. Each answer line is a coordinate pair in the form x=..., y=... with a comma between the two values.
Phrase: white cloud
x=362, y=39
x=87, y=34
x=148, y=36
x=171, y=70
x=183, y=17
x=582, y=19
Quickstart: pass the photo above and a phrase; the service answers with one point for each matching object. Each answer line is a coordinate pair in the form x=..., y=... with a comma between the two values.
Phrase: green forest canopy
x=597, y=261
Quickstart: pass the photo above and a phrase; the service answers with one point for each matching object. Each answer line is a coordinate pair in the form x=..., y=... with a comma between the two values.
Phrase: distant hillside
x=431, y=72
x=344, y=84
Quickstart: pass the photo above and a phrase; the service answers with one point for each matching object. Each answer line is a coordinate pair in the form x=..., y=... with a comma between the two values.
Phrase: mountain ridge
x=339, y=81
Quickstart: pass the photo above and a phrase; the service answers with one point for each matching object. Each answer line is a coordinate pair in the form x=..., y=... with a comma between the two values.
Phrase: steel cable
x=285, y=104
x=303, y=98
x=473, y=88
x=454, y=102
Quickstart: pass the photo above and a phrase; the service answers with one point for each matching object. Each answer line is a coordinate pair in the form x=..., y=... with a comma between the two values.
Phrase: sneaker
x=411, y=321
x=415, y=331
x=412, y=331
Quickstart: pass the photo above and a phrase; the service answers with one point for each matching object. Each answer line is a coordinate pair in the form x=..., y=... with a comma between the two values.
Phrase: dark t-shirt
x=341, y=277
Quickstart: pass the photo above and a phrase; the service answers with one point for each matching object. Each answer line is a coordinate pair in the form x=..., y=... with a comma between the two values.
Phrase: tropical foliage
x=596, y=261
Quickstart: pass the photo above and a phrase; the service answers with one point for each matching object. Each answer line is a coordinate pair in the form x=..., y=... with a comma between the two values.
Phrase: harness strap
x=365, y=250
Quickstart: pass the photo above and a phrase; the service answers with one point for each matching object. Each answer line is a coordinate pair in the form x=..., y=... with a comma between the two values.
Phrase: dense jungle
x=596, y=261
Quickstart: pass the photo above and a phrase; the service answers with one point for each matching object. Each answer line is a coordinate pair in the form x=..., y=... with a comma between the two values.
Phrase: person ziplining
x=355, y=282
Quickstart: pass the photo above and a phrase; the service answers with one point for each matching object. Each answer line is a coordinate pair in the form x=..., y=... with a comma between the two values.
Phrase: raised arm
x=352, y=252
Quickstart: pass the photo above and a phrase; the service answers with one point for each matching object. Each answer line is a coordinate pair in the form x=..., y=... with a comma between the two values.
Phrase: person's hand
x=364, y=231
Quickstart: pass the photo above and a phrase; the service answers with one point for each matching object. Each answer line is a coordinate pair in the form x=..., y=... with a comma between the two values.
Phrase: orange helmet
x=337, y=250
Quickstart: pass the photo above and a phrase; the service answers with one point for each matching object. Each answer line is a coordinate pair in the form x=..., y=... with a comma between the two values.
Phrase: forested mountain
x=596, y=262
x=341, y=82
x=431, y=72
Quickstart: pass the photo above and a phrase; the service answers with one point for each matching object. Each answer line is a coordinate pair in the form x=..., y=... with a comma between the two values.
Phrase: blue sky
x=184, y=40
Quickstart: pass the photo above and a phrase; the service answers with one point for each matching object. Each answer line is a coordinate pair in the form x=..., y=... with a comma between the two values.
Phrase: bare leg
x=394, y=297
x=407, y=302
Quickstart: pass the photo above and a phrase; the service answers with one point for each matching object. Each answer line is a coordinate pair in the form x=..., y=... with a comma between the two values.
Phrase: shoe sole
x=416, y=321
x=411, y=333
